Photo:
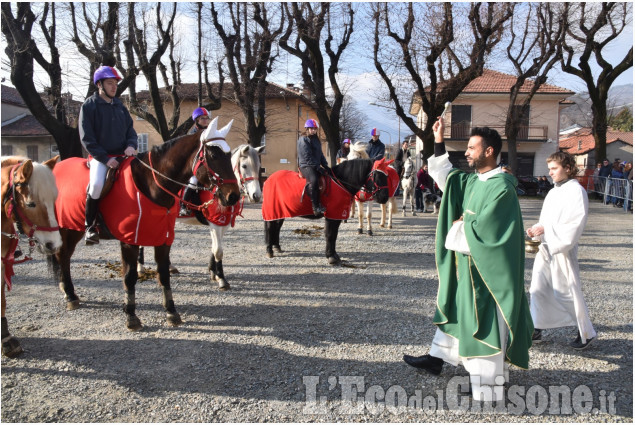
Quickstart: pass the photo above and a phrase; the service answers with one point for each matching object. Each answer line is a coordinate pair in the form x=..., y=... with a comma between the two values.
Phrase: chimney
x=306, y=91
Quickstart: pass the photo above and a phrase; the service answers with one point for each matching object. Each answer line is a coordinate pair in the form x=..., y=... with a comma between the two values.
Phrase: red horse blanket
x=217, y=214
x=393, y=184
x=128, y=214
x=282, y=198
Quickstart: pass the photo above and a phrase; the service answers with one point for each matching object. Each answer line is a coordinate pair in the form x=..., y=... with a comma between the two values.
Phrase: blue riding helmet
x=104, y=72
x=199, y=112
x=311, y=123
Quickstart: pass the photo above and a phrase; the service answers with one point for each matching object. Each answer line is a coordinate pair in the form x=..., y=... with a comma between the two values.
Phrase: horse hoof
x=360, y=231
x=414, y=214
x=370, y=232
x=173, y=270
x=133, y=323
x=174, y=319
x=11, y=347
x=382, y=225
x=390, y=227
x=334, y=260
x=277, y=248
x=72, y=305
x=269, y=252
x=223, y=285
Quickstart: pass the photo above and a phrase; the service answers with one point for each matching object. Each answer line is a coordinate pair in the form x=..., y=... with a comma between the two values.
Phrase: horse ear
x=51, y=162
x=260, y=150
x=210, y=130
x=244, y=150
x=23, y=173
x=223, y=131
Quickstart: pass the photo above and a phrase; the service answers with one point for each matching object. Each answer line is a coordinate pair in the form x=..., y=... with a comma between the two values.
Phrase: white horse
x=246, y=165
x=389, y=208
x=408, y=186
x=358, y=150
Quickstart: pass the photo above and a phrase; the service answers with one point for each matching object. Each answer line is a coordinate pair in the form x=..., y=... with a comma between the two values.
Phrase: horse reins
x=18, y=227
x=199, y=159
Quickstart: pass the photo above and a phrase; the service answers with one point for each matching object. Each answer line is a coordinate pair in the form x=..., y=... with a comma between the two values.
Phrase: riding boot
x=188, y=193
x=91, y=237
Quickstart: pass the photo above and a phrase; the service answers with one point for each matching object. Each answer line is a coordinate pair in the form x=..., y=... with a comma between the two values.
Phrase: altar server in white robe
x=556, y=293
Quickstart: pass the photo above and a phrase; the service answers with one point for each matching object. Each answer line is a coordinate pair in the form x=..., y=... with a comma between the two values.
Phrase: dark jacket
x=605, y=171
x=105, y=128
x=310, y=152
x=342, y=154
x=375, y=150
x=400, y=159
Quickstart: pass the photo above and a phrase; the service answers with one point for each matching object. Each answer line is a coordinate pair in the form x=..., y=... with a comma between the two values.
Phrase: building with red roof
x=484, y=103
x=581, y=144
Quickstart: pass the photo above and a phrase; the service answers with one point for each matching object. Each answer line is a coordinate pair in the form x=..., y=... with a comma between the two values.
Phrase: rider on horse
x=342, y=154
x=106, y=131
x=310, y=158
x=201, y=117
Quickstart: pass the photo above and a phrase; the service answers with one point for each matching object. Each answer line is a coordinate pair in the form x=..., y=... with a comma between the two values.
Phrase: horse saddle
x=322, y=183
x=111, y=177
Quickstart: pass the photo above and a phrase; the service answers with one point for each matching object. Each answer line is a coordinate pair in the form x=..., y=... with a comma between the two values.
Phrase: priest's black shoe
x=426, y=362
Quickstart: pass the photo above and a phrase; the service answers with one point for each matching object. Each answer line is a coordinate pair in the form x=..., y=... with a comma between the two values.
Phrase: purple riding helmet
x=311, y=123
x=199, y=112
x=104, y=72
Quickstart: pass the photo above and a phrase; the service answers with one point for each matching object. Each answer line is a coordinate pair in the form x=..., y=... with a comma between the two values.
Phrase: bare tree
x=533, y=51
x=250, y=57
x=22, y=51
x=307, y=25
x=590, y=27
x=352, y=121
x=426, y=48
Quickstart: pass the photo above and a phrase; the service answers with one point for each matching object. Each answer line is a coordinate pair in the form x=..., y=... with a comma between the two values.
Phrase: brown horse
x=158, y=175
x=28, y=208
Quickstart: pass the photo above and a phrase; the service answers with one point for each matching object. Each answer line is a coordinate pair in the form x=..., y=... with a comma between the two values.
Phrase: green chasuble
x=471, y=286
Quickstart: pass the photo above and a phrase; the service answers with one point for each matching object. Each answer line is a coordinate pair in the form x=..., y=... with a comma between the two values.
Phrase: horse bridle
x=18, y=221
x=199, y=160
x=369, y=180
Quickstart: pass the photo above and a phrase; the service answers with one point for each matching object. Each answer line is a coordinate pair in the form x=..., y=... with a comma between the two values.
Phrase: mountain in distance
x=619, y=97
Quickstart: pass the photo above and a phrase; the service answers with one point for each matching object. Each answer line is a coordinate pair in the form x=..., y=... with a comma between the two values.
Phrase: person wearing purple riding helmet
x=106, y=131
x=201, y=117
x=310, y=158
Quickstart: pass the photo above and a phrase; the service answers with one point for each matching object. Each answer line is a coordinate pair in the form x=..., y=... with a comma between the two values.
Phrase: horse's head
x=30, y=191
x=246, y=164
x=218, y=165
x=378, y=182
x=408, y=168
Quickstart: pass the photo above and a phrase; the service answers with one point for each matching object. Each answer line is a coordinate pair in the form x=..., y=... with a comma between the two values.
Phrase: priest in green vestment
x=482, y=314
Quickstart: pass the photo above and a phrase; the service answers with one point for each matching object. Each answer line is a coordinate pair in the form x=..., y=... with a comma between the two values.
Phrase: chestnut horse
x=28, y=208
x=246, y=165
x=158, y=175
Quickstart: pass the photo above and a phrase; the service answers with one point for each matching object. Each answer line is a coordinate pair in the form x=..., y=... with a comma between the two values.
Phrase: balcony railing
x=527, y=133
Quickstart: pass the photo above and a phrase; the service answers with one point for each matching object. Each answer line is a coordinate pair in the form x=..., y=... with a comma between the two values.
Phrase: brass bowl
x=532, y=246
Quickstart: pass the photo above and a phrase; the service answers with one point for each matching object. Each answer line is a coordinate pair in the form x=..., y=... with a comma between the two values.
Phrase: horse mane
x=358, y=150
x=353, y=171
x=41, y=183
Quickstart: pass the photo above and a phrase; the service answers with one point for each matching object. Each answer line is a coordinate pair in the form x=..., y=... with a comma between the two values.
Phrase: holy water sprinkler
x=447, y=106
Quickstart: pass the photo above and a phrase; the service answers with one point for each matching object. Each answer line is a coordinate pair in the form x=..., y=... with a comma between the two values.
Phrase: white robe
x=556, y=293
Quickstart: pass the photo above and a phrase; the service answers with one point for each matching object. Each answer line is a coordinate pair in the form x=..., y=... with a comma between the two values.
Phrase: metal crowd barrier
x=610, y=190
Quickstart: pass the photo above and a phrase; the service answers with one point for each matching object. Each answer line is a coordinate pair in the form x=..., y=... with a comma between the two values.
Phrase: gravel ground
x=294, y=329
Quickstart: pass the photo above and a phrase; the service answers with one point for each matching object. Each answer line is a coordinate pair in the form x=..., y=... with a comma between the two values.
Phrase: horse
x=408, y=185
x=346, y=179
x=390, y=208
x=28, y=208
x=151, y=180
x=246, y=165
x=358, y=151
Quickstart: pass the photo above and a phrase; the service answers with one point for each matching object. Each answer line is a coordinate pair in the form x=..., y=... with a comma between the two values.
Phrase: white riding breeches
x=97, y=178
